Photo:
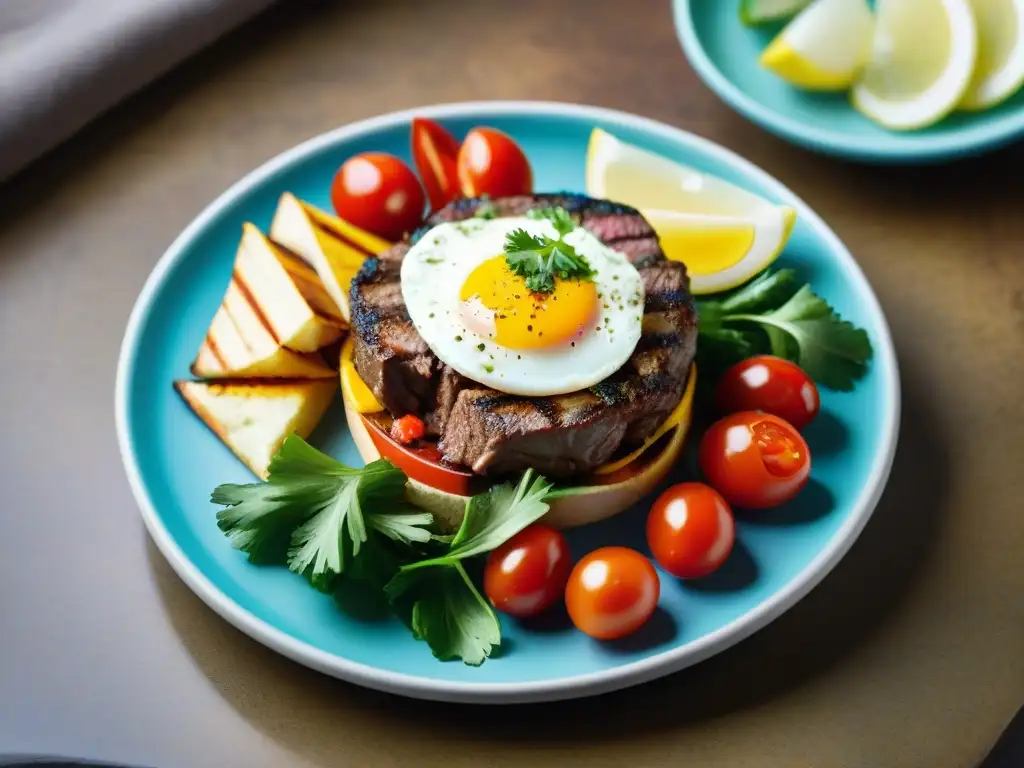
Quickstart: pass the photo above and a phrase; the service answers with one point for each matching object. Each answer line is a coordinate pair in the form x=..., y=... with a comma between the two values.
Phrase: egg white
x=432, y=275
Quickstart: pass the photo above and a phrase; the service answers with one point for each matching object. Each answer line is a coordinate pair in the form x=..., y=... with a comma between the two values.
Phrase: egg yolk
x=498, y=304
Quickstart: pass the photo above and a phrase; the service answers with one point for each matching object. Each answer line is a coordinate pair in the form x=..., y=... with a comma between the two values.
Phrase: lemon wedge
x=723, y=233
x=999, y=71
x=720, y=252
x=825, y=47
x=763, y=11
x=922, y=61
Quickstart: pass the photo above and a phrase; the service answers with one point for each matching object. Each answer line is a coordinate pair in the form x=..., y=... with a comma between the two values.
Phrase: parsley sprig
x=540, y=259
x=342, y=527
x=776, y=313
x=447, y=611
x=315, y=514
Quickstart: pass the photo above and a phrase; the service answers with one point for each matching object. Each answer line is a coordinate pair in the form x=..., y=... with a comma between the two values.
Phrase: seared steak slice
x=493, y=432
x=389, y=354
x=449, y=384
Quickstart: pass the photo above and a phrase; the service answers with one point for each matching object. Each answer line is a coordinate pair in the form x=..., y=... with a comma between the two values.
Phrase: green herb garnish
x=540, y=259
x=776, y=313
x=447, y=611
x=315, y=514
x=351, y=532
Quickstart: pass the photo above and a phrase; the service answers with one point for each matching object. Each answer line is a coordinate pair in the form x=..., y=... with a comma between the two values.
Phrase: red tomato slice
x=419, y=463
x=528, y=573
x=690, y=530
x=491, y=163
x=435, y=152
x=612, y=592
x=770, y=384
x=755, y=460
x=379, y=193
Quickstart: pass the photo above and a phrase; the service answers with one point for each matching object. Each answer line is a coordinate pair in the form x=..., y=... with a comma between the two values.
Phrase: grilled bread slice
x=287, y=294
x=334, y=248
x=253, y=418
x=239, y=344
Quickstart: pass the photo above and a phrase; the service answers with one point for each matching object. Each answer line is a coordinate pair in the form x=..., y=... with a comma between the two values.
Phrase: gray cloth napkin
x=63, y=62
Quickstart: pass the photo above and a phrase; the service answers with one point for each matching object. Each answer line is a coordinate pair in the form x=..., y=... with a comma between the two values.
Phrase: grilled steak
x=492, y=432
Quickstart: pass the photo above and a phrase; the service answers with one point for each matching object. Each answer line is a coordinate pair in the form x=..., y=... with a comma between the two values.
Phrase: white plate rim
x=577, y=686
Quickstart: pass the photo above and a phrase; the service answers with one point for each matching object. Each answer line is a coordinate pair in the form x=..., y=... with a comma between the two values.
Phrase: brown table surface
x=909, y=654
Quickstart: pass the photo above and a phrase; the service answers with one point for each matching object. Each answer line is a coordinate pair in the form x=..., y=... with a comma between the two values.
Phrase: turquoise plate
x=724, y=53
x=173, y=461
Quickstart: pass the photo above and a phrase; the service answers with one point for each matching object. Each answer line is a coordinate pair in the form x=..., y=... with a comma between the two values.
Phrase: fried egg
x=479, y=317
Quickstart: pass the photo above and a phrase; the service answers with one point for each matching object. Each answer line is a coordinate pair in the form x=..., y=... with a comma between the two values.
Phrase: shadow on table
x=869, y=584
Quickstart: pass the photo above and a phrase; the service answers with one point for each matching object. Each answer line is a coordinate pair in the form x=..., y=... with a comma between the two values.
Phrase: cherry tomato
x=420, y=463
x=755, y=460
x=379, y=193
x=690, y=530
x=491, y=163
x=527, y=573
x=435, y=152
x=770, y=384
x=612, y=592
x=407, y=429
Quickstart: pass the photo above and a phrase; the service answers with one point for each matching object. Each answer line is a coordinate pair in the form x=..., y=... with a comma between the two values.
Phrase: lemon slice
x=922, y=61
x=763, y=11
x=723, y=233
x=720, y=252
x=999, y=71
x=825, y=47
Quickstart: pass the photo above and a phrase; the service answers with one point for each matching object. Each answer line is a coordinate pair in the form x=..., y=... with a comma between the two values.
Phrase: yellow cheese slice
x=679, y=416
x=353, y=388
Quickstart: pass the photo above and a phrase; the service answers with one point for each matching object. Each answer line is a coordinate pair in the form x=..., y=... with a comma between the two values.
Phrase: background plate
x=724, y=53
x=173, y=461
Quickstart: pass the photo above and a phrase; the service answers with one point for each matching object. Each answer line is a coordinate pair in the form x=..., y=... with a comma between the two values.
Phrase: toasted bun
x=607, y=497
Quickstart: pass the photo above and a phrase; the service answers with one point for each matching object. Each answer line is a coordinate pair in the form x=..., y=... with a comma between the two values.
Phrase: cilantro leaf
x=318, y=545
x=493, y=517
x=297, y=458
x=563, y=260
x=539, y=258
x=765, y=292
x=259, y=518
x=541, y=282
x=521, y=246
x=315, y=513
x=448, y=613
x=772, y=315
x=406, y=527
x=558, y=216
x=831, y=350
x=351, y=532
x=359, y=591
x=377, y=564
